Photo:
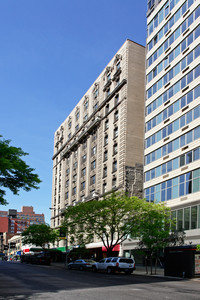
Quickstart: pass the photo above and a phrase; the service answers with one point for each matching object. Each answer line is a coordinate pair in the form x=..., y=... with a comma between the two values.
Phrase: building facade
x=172, y=121
x=99, y=147
x=13, y=222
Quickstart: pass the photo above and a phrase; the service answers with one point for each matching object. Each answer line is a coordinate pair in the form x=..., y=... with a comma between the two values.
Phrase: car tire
x=81, y=268
x=94, y=269
x=109, y=270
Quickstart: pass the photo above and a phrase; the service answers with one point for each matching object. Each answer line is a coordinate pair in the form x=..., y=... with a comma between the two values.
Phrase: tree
x=155, y=229
x=39, y=235
x=111, y=220
x=15, y=174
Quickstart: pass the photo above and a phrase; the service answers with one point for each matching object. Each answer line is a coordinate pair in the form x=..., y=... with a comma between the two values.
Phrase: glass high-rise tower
x=172, y=120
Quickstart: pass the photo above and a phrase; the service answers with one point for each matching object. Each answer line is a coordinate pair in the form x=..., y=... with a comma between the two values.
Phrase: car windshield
x=89, y=261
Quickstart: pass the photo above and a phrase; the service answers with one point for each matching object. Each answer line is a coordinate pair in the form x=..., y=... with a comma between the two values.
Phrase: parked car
x=115, y=264
x=39, y=259
x=81, y=264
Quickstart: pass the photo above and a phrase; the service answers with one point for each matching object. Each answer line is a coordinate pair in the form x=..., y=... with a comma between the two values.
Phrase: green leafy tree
x=111, y=220
x=155, y=229
x=15, y=174
x=39, y=235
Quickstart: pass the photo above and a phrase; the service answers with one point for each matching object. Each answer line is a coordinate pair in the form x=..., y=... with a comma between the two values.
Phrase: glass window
x=182, y=140
x=187, y=218
x=169, y=166
x=196, y=154
x=194, y=217
x=197, y=71
x=175, y=163
x=189, y=157
x=197, y=92
x=195, y=185
x=197, y=133
x=189, y=117
x=189, y=137
x=189, y=97
x=180, y=219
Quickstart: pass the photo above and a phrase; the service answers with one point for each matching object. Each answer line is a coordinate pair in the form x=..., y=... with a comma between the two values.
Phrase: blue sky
x=51, y=52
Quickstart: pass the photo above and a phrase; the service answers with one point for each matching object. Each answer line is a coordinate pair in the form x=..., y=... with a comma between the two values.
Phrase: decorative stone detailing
x=134, y=180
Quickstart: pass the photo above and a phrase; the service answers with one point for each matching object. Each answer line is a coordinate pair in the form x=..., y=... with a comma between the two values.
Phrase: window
x=105, y=155
x=115, y=166
x=67, y=183
x=93, y=165
x=105, y=170
x=94, y=150
x=108, y=76
x=77, y=127
x=106, y=124
x=115, y=148
x=107, y=109
x=85, y=118
x=83, y=172
x=68, y=171
x=77, y=115
x=84, y=158
x=104, y=188
x=74, y=178
x=74, y=191
x=86, y=104
x=69, y=124
x=84, y=145
x=94, y=136
x=96, y=92
x=114, y=182
x=82, y=185
x=108, y=92
x=106, y=140
x=75, y=165
x=116, y=99
x=117, y=81
x=116, y=132
x=116, y=116
x=95, y=107
x=118, y=65
x=69, y=135
x=75, y=153
x=93, y=179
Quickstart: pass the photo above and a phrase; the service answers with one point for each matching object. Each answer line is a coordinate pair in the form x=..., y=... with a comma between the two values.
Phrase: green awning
x=63, y=249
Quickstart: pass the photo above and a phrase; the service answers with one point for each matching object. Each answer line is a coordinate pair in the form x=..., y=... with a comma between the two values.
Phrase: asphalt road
x=22, y=281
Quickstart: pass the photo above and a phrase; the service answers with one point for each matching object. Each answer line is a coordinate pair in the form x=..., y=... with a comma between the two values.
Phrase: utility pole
x=66, y=261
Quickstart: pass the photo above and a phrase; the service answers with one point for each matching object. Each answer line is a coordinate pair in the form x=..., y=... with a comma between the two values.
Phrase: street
x=24, y=281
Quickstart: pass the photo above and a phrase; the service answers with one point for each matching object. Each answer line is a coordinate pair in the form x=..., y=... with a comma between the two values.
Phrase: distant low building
x=13, y=222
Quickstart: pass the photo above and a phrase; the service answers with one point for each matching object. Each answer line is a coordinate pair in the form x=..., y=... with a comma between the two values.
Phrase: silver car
x=81, y=264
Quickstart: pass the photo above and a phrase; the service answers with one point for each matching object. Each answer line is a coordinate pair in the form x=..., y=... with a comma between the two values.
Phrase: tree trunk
x=146, y=259
x=109, y=252
x=151, y=262
x=156, y=264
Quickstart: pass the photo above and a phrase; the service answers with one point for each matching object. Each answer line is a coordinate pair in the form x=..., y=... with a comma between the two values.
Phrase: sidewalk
x=140, y=270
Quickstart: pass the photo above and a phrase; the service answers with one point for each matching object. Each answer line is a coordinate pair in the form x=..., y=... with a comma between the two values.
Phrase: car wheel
x=81, y=268
x=94, y=269
x=109, y=270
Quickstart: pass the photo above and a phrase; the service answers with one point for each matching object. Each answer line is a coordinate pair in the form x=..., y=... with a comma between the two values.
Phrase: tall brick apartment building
x=99, y=147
